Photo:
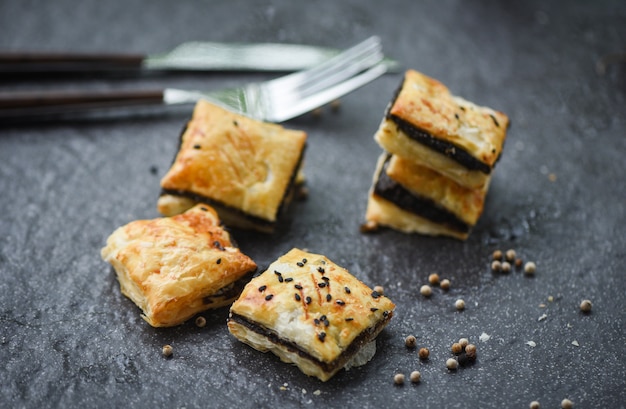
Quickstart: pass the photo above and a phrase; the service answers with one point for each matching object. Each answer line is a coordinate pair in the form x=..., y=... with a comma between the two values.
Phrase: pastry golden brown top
x=168, y=265
x=310, y=301
x=236, y=161
x=428, y=105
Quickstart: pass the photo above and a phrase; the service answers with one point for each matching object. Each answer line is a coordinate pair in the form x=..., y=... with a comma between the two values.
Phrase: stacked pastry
x=439, y=154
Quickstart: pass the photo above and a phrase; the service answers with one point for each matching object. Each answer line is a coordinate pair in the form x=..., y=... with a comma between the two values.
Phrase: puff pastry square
x=245, y=169
x=309, y=311
x=427, y=124
x=414, y=199
x=175, y=267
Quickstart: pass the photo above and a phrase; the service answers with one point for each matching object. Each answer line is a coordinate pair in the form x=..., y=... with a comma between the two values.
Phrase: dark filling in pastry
x=328, y=367
x=394, y=192
x=262, y=224
x=448, y=149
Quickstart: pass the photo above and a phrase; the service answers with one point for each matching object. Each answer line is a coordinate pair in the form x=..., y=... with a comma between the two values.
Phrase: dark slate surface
x=68, y=338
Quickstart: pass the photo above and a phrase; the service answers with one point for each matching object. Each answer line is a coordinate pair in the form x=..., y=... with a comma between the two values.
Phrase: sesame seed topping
x=349, y=319
x=340, y=302
x=308, y=300
x=196, y=146
x=329, y=297
x=316, y=321
x=269, y=297
x=321, y=336
x=219, y=261
x=298, y=287
x=300, y=264
x=277, y=273
x=262, y=288
x=373, y=309
x=375, y=294
x=288, y=279
x=347, y=290
x=298, y=297
x=321, y=269
x=304, y=261
x=326, y=279
x=321, y=285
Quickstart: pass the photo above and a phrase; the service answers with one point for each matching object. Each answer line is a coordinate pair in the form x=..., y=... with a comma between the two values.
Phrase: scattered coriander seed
x=410, y=341
x=167, y=351
x=464, y=342
x=456, y=348
x=398, y=379
x=459, y=304
x=416, y=376
x=497, y=255
x=379, y=289
x=496, y=265
x=445, y=284
x=200, y=321
x=452, y=364
x=470, y=351
x=426, y=291
x=433, y=279
x=506, y=267
x=423, y=353
x=534, y=405
x=510, y=255
x=567, y=404
x=529, y=268
x=585, y=306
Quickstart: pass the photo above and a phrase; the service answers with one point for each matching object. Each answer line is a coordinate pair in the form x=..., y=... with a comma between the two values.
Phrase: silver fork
x=276, y=100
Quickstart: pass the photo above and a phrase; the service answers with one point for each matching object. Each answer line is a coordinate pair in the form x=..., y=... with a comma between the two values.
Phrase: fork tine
x=318, y=99
x=329, y=66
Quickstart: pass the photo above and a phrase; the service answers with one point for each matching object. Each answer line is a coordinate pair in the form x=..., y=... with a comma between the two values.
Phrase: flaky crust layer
x=233, y=160
x=175, y=267
x=384, y=213
x=308, y=301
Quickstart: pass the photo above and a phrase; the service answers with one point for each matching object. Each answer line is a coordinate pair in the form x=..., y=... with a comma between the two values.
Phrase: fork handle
x=23, y=63
x=33, y=105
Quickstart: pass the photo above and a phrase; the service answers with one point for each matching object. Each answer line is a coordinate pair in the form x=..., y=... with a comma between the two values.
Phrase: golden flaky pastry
x=175, y=267
x=309, y=311
x=414, y=199
x=429, y=125
x=245, y=169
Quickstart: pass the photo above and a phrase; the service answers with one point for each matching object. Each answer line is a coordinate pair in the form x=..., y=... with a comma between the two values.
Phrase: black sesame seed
x=321, y=336
x=298, y=287
x=300, y=264
x=219, y=261
x=204, y=209
x=280, y=279
x=326, y=323
x=329, y=297
x=269, y=297
x=349, y=319
x=373, y=309
x=456, y=116
x=321, y=269
x=308, y=300
x=262, y=288
x=375, y=294
x=304, y=261
x=235, y=123
x=196, y=146
x=347, y=290
x=323, y=318
x=218, y=245
x=495, y=121
x=288, y=279
x=385, y=314
x=297, y=297
x=321, y=285
x=461, y=108
x=277, y=273
x=326, y=279
x=316, y=321
x=340, y=302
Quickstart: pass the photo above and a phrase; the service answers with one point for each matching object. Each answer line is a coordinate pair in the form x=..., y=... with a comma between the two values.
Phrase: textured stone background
x=68, y=338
